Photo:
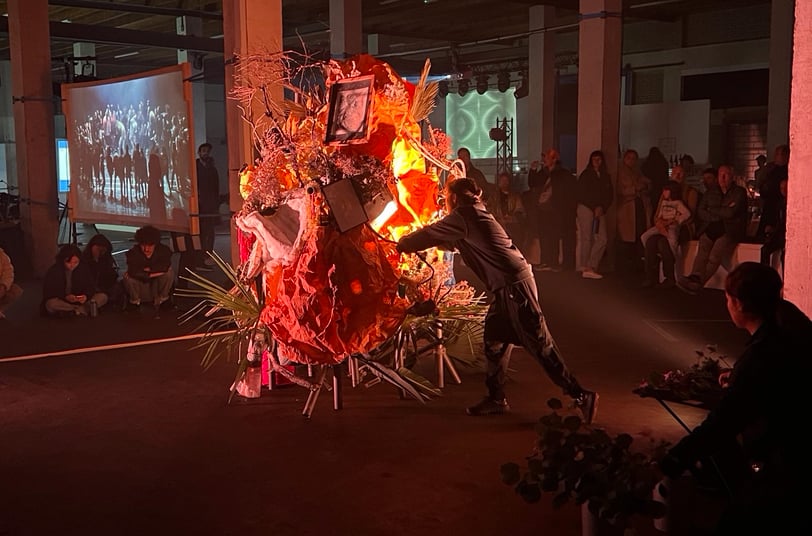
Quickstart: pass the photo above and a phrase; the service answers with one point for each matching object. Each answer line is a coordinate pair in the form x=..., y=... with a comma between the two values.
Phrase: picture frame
x=349, y=111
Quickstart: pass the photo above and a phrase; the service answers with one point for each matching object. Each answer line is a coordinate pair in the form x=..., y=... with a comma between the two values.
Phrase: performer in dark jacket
x=759, y=414
x=515, y=316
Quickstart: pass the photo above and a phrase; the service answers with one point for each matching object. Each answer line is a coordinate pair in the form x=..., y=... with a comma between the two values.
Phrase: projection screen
x=131, y=159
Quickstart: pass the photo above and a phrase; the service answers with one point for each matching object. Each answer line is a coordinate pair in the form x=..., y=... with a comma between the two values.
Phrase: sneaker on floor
x=591, y=274
x=587, y=402
x=132, y=307
x=542, y=268
x=489, y=406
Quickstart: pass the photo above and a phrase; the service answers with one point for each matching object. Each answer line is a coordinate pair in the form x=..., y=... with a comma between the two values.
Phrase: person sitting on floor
x=149, y=275
x=67, y=288
x=98, y=259
x=9, y=292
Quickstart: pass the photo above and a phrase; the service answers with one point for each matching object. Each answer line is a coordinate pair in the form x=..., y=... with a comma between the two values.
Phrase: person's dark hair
x=67, y=252
x=148, y=235
x=604, y=168
x=783, y=149
x=99, y=240
x=757, y=286
x=205, y=144
x=675, y=188
x=687, y=158
x=627, y=152
x=468, y=193
x=711, y=170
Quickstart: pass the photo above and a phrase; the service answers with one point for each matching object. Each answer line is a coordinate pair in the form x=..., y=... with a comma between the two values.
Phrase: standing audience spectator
x=775, y=231
x=662, y=240
x=557, y=215
x=595, y=194
x=475, y=174
x=149, y=275
x=724, y=216
x=769, y=191
x=655, y=168
x=633, y=210
x=9, y=291
x=208, y=195
x=506, y=206
x=67, y=288
x=754, y=428
x=98, y=259
x=761, y=171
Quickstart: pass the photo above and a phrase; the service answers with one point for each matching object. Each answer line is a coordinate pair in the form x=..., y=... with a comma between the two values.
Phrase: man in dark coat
x=208, y=198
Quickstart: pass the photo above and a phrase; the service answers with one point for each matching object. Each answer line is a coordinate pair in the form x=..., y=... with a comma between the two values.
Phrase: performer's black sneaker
x=489, y=406
x=587, y=402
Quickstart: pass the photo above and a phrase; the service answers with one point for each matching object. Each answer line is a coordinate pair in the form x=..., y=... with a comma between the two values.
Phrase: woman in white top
x=662, y=239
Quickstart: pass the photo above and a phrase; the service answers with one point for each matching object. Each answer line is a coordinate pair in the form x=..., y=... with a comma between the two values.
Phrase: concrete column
x=194, y=26
x=599, y=56
x=346, y=33
x=378, y=44
x=84, y=67
x=797, y=280
x=542, y=78
x=248, y=27
x=29, y=42
x=781, y=21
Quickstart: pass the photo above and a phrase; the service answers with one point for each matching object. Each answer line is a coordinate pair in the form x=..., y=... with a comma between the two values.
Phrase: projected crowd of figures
x=130, y=154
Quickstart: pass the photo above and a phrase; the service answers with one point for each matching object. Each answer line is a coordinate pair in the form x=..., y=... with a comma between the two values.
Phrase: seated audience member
x=68, y=287
x=98, y=259
x=149, y=275
x=723, y=213
x=753, y=432
x=775, y=231
x=9, y=292
x=689, y=196
x=661, y=240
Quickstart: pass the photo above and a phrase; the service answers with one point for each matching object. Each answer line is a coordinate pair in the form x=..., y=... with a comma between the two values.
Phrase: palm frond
x=231, y=315
x=425, y=95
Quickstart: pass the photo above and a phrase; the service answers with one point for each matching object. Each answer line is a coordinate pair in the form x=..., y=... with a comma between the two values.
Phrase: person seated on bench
x=9, y=292
x=98, y=258
x=149, y=275
x=67, y=288
x=723, y=216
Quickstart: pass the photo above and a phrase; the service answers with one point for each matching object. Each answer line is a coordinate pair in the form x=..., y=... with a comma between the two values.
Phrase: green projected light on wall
x=470, y=118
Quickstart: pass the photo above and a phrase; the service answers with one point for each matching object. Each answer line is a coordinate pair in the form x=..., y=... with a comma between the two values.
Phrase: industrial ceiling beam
x=138, y=8
x=121, y=36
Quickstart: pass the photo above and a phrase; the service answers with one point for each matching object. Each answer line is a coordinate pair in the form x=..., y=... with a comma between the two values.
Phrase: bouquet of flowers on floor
x=702, y=382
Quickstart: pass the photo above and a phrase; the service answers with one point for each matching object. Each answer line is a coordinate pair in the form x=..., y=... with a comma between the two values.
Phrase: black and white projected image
x=130, y=158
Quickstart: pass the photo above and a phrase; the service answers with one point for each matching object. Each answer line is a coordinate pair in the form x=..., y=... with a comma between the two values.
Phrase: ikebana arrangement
x=578, y=463
x=697, y=385
x=348, y=163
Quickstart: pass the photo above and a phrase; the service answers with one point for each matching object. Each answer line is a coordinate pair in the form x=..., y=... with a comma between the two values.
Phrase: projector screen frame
x=190, y=223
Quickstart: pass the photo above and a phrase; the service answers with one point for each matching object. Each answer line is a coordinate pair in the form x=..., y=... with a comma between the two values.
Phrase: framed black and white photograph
x=350, y=104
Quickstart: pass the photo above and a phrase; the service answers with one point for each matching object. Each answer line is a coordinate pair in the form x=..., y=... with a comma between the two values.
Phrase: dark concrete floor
x=141, y=440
